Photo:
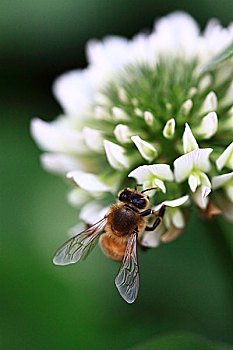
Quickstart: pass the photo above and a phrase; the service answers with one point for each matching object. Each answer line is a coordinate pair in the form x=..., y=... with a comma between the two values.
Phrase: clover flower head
x=144, y=111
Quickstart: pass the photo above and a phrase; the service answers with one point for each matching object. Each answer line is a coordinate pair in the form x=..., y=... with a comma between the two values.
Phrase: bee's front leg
x=159, y=218
x=146, y=212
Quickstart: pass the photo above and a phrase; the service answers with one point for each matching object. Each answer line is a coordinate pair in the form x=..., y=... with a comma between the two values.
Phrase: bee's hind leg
x=159, y=218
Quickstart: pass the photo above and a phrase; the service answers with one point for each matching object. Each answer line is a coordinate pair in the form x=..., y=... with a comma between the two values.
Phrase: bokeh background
x=185, y=300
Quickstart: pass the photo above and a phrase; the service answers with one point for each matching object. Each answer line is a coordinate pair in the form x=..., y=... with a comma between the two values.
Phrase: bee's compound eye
x=123, y=196
x=139, y=203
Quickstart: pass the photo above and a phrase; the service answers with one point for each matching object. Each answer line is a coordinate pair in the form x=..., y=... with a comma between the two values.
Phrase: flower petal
x=101, y=113
x=208, y=126
x=189, y=141
x=205, y=191
x=204, y=83
x=58, y=163
x=78, y=197
x=116, y=155
x=119, y=114
x=169, y=128
x=183, y=166
x=152, y=239
x=122, y=133
x=193, y=182
x=145, y=172
x=162, y=171
x=210, y=104
x=173, y=203
x=159, y=184
x=138, y=112
x=215, y=40
x=224, y=157
x=93, y=212
x=198, y=159
x=149, y=118
x=122, y=95
x=147, y=151
x=55, y=137
x=178, y=218
x=109, y=54
x=87, y=181
x=205, y=180
x=186, y=107
x=141, y=174
x=201, y=159
x=221, y=180
x=93, y=139
x=74, y=91
x=200, y=199
x=192, y=91
x=177, y=31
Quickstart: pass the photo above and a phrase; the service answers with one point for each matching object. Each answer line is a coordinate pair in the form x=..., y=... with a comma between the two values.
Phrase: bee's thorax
x=123, y=220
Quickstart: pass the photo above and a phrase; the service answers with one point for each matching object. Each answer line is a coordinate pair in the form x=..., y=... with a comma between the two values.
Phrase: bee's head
x=134, y=197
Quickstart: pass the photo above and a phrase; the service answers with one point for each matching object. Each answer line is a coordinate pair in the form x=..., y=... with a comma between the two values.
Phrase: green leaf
x=220, y=58
x=182, y=341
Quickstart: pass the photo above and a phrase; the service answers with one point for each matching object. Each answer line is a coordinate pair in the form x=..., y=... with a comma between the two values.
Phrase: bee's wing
x=80, y=245
x=127, y=280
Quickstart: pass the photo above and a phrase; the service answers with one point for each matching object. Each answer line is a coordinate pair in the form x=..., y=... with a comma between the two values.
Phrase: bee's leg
x=158, y=219
x=146, y=212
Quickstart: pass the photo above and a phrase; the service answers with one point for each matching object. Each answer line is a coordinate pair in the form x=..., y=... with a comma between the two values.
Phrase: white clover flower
x=116, y=155
x=186, y=107
x=172, y=225
x=152, y=176
x=141, y=107
x=193, y=166
x=147, y=150
x=123, y=133
x=93, y=212
x=210, y=104
x=208, y=126
x=78, y=197
x=149, y=118
x=88, y=182
x=189, y=141
x=93, y=139
x=169, y=128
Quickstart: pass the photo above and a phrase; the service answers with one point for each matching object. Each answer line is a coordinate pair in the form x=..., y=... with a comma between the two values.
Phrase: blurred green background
x=186, y=287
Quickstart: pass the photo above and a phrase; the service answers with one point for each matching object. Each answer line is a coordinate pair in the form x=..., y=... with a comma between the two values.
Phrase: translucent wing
x=80, y=245
x=127, y=280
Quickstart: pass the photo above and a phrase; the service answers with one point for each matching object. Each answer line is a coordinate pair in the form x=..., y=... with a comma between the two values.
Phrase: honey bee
x=118, y=232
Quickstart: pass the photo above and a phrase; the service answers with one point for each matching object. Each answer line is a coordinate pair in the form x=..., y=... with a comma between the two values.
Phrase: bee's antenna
x=136, y=186
x=148, y=189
